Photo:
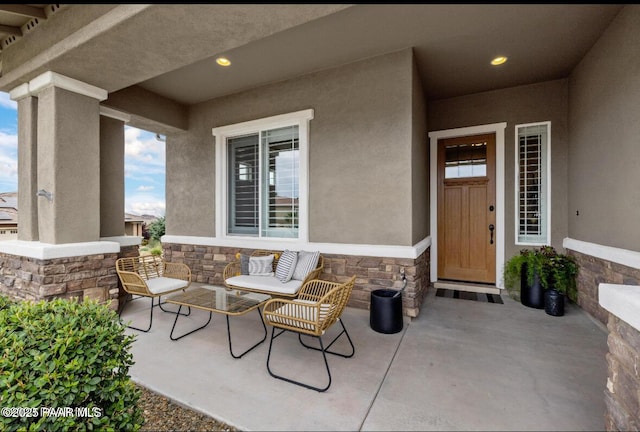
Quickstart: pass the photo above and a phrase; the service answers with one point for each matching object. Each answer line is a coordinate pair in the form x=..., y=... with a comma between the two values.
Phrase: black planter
x=531, y=296
x=554, y=302
x=385, y=315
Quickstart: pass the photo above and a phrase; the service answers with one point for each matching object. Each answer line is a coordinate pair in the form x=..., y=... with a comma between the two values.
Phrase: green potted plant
x=541, y=277
x=521, y=275
x=559, y=280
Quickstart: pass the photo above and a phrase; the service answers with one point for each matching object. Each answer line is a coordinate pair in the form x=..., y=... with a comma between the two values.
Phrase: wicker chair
x=319, y=305
x=151, y=277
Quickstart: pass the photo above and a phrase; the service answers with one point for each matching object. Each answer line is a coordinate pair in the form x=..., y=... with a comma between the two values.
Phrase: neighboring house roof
x=8, y=208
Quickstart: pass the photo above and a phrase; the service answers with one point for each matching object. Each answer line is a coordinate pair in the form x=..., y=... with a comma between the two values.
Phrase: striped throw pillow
x=286, y=265
x=307, y=261
x=261, y=266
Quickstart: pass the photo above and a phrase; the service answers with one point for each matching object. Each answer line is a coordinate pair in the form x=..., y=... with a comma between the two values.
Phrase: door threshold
x=467, y=286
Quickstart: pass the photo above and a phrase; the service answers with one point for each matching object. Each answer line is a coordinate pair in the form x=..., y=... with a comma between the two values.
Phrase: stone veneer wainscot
x=622, y=394
x=592, y=272
x=207, y=264
x=82, y=277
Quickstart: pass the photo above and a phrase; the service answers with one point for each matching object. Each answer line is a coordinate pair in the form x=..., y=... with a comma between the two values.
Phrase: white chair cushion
x=161, y=285
x=265, y=283
x=301, y=309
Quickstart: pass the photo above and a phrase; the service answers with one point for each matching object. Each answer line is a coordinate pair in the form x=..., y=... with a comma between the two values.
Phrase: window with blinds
x=532, y=171
x=281, y=179
x=263, y=186
x=243, y=184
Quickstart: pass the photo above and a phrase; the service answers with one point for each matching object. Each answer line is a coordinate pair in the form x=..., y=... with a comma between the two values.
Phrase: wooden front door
x=466, y=208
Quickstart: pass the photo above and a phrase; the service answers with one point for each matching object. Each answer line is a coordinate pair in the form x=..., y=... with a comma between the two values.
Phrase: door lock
x=491, y=228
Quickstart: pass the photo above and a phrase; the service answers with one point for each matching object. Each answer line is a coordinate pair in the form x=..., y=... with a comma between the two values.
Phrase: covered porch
x=460, y=365
x=373, y=98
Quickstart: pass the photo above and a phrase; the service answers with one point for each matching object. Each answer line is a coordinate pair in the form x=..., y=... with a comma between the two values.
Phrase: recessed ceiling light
x=498, y=60
x=223, y=61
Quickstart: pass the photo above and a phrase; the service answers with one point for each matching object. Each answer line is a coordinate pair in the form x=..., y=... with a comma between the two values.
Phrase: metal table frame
x=235, y=303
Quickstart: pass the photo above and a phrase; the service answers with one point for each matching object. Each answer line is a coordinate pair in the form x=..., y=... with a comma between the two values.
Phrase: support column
x=60, y=253
x=68, y=159
x=112, y=172
x=27, y=162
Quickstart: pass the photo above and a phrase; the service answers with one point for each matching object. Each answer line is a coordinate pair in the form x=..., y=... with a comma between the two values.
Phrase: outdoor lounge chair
x=318, y=306
x=150, y=276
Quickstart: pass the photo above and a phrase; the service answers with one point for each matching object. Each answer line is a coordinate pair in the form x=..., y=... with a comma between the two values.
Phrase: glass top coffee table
x=219, y=300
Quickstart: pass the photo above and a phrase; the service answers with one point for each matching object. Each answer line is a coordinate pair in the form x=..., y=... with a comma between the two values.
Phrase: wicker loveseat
x=234, y=279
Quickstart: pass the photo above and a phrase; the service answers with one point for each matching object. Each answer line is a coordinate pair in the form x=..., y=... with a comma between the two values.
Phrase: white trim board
x=620, y=256
x=388, y=251
x=38, y=250
x=621, y=300
x=498, y=129
x=54, y=79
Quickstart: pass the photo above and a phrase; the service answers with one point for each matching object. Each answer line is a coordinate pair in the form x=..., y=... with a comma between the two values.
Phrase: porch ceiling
x=171, y=49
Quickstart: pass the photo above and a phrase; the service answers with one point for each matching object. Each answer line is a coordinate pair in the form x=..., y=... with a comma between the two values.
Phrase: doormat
x=468, y=295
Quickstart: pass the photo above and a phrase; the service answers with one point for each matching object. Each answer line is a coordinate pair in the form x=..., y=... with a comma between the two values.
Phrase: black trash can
x=386, y=311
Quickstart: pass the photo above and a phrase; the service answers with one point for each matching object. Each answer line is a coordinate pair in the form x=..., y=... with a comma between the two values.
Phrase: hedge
x=64, y=365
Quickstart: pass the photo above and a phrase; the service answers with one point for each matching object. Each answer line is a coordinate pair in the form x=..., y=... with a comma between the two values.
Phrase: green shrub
x=157, y=228
x=66, y=354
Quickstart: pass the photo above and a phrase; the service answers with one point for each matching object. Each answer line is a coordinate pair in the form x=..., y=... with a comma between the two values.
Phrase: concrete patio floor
x=461, y=365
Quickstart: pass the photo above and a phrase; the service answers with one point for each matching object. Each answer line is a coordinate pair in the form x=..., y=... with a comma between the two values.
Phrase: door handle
x=491, y=228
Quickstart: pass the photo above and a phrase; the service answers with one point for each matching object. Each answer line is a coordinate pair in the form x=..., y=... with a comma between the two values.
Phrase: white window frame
x=546, y=240
x=299, y=118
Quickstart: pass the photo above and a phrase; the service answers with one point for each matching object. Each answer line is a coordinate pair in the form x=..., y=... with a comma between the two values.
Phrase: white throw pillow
x=307, y=261
x=261, y=266
x=286, y=265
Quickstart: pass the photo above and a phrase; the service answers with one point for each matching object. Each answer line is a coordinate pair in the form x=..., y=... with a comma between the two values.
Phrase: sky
x=144, y=163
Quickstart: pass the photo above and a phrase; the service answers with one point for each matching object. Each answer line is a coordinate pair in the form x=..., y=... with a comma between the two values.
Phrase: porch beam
x=12, y=30
x=24, y=10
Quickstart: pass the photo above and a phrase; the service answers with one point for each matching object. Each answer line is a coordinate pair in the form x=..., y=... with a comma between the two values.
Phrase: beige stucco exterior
x=604, y=119
x=111, y=177
x=28, y=168
x=68, y=166
x=517, y=105
x=366, y=148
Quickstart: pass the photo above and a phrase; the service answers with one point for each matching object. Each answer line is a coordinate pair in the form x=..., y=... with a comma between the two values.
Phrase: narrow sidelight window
x=533, y=184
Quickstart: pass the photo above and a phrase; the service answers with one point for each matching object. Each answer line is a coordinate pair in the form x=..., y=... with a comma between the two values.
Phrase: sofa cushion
x=263, y=283
x=161, y=285
x=286, y=265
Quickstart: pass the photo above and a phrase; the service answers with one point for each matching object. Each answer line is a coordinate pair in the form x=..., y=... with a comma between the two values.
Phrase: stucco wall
x=419, y=160
x=604, y=118
x=359, y=152
x=517, y=105
x=111, y=177
x=68, y=166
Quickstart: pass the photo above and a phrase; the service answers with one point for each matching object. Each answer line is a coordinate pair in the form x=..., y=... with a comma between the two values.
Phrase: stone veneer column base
x=81, y=277
x=207, y=264
x=622, y=395
x=593, y=271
